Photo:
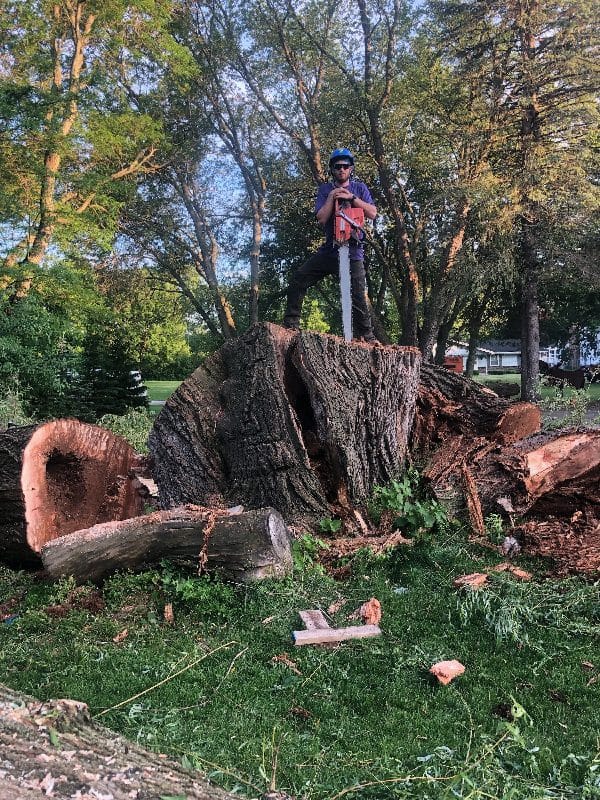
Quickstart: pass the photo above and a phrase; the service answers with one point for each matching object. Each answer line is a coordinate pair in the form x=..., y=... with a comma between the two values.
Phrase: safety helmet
x=339, y=153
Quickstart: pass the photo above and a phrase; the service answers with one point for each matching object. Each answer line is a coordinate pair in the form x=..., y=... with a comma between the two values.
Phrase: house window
x=494, y=360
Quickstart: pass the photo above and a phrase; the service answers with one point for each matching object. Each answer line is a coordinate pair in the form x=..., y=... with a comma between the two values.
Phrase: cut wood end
x=74, y=475
x=474, y=580
x=562, y=459
x=519, y=421
x=446, y=671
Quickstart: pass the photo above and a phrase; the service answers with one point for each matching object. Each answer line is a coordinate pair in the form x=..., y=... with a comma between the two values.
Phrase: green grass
x=161, y=390
x=210, y=693
x=592, y=390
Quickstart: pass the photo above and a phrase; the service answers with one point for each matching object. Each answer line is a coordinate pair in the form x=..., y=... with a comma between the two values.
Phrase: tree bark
x=55, y=749
x=242, y=547
x=59, y=477
x=292, y=420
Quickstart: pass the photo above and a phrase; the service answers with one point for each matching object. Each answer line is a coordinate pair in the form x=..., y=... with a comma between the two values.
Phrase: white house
x=500, y=355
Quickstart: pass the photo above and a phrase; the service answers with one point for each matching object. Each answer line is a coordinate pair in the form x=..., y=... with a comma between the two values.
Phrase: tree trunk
x=292, y=420
x=530, y=326
x=55, y=749
x=453, y=408
x=59, y=477
x=242, y=547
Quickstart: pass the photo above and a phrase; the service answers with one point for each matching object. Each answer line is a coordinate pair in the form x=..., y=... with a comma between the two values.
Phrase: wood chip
x=505, y=566
x=283, y=658
x=474, y=580
x=168, y=614
x=370, y=612
x=337, y=605
x=446, y=671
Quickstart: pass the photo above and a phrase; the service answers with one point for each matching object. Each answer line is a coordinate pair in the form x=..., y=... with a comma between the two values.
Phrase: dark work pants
x=314, y=270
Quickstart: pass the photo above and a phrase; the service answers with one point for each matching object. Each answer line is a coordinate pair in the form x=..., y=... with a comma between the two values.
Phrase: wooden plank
x=323, y=635
x=313, y=619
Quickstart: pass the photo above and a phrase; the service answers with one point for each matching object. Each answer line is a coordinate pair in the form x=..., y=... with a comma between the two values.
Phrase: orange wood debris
x=446, y=671
x=474, y=580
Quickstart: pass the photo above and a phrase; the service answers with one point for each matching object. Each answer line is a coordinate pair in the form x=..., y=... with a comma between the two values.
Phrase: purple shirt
x=362, y=192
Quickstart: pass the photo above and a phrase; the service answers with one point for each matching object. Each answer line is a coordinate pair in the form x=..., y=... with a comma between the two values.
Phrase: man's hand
x=340, y=193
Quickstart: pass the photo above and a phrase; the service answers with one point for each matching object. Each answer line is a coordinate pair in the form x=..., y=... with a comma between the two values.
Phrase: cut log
x=243, y=547
x=560, y=460
x=55, y=749
x=449, y=405
x=59, y=477
x=292, y=420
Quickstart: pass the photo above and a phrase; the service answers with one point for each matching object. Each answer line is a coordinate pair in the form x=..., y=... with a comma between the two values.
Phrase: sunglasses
x=342, y=166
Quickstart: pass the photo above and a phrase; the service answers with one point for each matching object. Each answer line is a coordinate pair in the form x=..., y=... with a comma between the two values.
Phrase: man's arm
x=361, y=198
x=369, y=209
x=328, y=207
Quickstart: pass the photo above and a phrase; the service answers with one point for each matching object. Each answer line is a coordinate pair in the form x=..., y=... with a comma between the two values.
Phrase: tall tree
x=71, y=140
x=540, y=59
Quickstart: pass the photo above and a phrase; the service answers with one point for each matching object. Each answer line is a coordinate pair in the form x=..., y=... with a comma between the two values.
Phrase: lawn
x=592, y=390
x=224, y=690
x=161, y=390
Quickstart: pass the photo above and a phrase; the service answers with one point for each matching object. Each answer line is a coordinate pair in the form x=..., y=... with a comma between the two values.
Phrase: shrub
x=412, y=511
x=134, y=426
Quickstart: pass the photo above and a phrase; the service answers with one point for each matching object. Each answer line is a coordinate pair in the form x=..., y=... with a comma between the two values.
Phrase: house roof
x=501, y=345
x=457, y=345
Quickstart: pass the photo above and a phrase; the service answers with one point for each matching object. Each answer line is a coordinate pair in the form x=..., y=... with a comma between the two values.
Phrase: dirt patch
x=80, y=599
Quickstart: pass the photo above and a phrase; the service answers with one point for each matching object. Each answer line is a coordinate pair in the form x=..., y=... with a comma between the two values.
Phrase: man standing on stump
x=325, y=260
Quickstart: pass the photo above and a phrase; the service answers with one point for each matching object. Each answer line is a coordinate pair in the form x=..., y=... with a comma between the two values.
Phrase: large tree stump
x=242, y=547
x=59, y=477
x=285, y=419
x=55, y=749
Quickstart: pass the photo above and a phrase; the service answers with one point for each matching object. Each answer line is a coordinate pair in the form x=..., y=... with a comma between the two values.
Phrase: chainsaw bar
x=347, y=222
x=345, y=290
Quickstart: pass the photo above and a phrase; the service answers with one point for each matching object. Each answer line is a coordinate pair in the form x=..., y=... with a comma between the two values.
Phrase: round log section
x=293, y=420
x=56, y=478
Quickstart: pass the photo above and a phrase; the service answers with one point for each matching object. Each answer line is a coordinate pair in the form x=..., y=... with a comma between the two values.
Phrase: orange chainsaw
x=348, y=224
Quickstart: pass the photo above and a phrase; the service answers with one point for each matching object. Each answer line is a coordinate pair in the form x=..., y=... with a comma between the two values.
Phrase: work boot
x=291, y=326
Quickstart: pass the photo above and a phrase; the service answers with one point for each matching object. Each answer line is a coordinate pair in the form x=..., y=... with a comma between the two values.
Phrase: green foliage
x=106, y=383
x=83, y=115
x=413, y=513
x=305, y=551
x=134, y=426
x=34, y=354
x=151, y=319
x=211, y=595
x=12, y=410
x=330, y=525
x=565, y=408
x=510, y=609
x=313, y=318
x=494, y=527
